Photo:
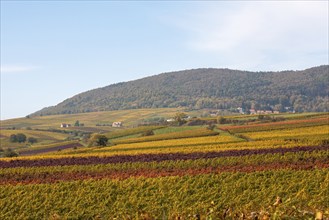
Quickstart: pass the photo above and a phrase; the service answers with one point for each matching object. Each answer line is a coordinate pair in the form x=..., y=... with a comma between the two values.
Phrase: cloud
x=17, y=68
x=258, y=32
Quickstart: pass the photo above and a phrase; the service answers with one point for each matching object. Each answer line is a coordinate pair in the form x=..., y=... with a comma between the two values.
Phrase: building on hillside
x=187, y=117
x=241, y=111
x=289, y=109
x=170, y=120
x=262, y=112
x=64, y=125
x=252, y=111
x=117, y=124
x=213, y=113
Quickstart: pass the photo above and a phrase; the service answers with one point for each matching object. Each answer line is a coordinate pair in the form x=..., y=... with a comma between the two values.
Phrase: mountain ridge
x=302, y=90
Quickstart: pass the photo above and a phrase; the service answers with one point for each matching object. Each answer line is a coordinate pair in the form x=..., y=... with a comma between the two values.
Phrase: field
x=260, y=170
x=128, y=117
x=43, y=138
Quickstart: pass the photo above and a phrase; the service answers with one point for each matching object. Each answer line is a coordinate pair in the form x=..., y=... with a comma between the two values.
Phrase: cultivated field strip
x=292, y=132
x=172, y=197
x=49, y=148
x=196, y=141
x=201, y=132
x=288, y=157
x=58, y=177
x=151, y=157
x=53, y=174
x=170, y=146
x=277, y=125
x=131, y=131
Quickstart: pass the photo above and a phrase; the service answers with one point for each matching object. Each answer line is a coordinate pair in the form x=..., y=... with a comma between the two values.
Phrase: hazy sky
x=52, y=50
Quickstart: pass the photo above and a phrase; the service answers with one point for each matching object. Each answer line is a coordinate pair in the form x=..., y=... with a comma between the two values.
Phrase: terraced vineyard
x=50, y=148
x=276, y=170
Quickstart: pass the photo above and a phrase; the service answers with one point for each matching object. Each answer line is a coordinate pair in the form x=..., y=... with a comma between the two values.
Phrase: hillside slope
x=305, y=90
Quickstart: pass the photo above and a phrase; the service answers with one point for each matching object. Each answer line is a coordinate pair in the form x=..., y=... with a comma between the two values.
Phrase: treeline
x=21, y=138
x=305, y=90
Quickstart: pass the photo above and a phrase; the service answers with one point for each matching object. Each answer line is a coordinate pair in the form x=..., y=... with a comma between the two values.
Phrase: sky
x=53, y=50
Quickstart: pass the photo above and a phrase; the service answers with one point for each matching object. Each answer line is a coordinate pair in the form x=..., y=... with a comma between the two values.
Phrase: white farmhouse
x=117, y=124
x=64, y=125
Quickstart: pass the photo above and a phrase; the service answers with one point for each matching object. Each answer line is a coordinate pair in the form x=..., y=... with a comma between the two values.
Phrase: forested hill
x=305, y=90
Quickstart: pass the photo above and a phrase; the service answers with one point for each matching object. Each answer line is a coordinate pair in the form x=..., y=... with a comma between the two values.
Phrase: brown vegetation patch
x=153, y=157
x=46, y=177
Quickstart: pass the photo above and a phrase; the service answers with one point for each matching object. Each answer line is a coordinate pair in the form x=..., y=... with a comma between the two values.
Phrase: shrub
x=9, y=153
x=98, y=140
x=21, y=138
x=13, y=138
x=221, y=120
x=32, y=140
x=147, y=133
x=260, y=117
x=211, y=127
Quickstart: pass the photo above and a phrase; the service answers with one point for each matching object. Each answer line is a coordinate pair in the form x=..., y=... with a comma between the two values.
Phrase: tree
x=180, y=118
x=13, y=138
x=77, y=124
x=221, y=120
x=278, y=107
x=21, y=138
x=98, y=140
x=102, y=140
x=32, y=140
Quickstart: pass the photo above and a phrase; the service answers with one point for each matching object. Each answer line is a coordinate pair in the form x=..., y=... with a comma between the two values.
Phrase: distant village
x=117, y=124
x=253, y=111
x=212, y=113
x=257, y=112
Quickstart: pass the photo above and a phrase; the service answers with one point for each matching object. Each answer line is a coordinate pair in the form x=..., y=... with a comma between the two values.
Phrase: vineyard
x=262, y=170
x=172, y=135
